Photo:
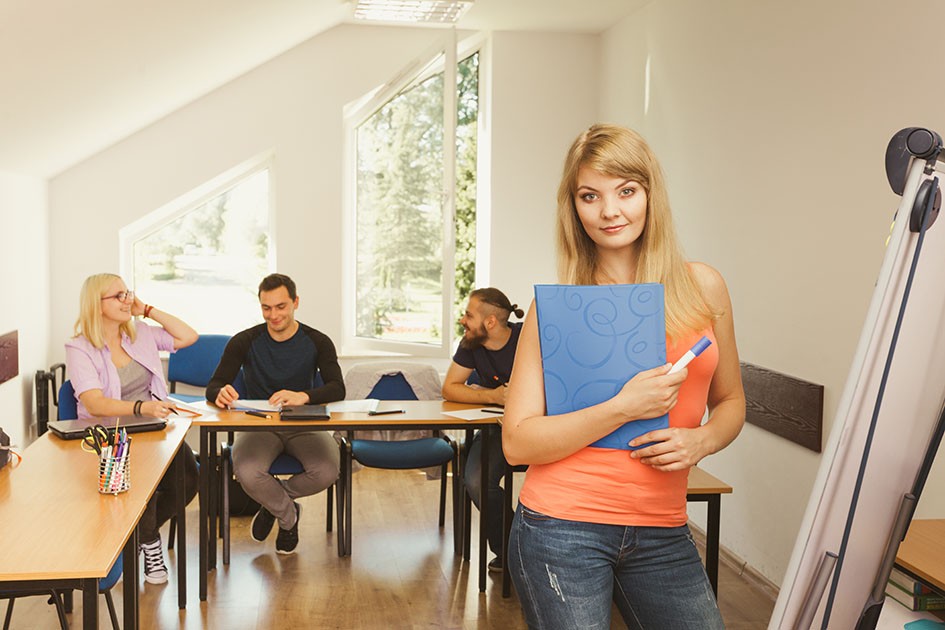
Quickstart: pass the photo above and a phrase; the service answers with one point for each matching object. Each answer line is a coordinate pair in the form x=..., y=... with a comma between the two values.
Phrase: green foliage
x=400, y=204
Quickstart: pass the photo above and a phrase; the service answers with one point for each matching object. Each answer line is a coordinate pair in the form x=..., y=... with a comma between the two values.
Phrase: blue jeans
x=473, y=480
x=568, y=572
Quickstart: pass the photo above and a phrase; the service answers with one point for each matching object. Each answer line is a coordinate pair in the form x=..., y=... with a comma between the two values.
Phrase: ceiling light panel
x=413, y=11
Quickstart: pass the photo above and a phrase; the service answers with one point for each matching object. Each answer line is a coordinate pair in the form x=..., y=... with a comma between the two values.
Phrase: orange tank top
x=601, y=485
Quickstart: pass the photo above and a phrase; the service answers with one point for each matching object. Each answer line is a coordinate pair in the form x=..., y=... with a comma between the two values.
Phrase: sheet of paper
x=474, y=414
x=199, y=408
x=354, y=406
x=248, y=404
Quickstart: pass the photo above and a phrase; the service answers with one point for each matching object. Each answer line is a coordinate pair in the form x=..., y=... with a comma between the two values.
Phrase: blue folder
x=593, y=340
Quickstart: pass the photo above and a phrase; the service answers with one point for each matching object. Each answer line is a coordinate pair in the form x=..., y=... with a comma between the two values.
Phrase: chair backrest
x=393, y=387
x=68, y=408
x=195, y=364
x=420, y=379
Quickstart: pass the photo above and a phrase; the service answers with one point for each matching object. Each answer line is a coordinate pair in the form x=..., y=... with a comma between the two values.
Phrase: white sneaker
x=154, y=570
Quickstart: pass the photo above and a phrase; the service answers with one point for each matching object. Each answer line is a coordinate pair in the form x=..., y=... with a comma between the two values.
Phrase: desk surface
x=923, y=551
x=56, y=524
x=418, y=414
x=701, y=482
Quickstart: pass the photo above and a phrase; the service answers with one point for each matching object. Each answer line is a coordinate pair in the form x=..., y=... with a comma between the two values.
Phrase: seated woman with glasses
x=116, y=370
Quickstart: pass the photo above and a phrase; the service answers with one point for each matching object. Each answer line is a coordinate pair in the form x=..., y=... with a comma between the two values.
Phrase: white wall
x=293, y=106
x=771, y=121
x=533, y=126
x=24, y=278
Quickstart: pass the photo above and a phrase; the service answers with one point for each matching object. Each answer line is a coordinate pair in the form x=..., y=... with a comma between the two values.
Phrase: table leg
x=179, y=471
x=203, y=499
x=712, y=541
x=129, y=583
x=506, y=528
x=467, y=503
x=90, y=603
x=483, y=506
x=213, y=501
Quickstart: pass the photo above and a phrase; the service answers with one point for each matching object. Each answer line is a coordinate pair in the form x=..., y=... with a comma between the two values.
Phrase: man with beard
x=488, y=348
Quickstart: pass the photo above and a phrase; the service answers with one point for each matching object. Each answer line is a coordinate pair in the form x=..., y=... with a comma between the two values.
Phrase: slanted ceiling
x=77, y=77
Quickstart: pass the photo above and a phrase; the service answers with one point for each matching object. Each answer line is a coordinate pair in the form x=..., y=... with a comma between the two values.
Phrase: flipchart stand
x=890, y=418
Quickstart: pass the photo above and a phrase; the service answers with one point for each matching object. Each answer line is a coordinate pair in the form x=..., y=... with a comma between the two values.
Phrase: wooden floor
x=402, y=574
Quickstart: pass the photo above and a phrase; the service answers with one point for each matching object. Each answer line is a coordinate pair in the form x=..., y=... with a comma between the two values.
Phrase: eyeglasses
x=121, y=296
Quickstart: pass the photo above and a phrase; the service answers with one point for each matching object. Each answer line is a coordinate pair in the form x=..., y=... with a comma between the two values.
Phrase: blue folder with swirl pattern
x=593, y=340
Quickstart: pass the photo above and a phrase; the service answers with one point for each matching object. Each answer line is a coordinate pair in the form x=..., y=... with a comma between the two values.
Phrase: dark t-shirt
x=269, y=365
x=493, y=366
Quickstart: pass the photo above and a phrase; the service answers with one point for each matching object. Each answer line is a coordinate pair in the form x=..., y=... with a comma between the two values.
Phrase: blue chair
x=400, y=455
x=195, y=364
x=284, y=464
x=67, y=407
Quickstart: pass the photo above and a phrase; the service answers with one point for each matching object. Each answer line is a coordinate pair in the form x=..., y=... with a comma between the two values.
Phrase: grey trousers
x=253, y=454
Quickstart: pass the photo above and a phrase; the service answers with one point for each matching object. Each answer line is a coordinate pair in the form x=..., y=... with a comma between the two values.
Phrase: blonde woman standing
x=597, y=525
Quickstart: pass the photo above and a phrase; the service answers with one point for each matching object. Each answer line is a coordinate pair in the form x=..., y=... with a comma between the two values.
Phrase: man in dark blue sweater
x=488, y=349
x=280, y=360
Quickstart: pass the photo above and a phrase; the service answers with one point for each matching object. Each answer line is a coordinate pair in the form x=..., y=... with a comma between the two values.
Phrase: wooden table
x=702, y=487
x=59, y=532
x=922, y=554
x=419, y=414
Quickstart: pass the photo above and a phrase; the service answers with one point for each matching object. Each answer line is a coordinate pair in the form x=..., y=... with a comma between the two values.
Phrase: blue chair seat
x=402, y=455
x=285, y=465
x=399, y=455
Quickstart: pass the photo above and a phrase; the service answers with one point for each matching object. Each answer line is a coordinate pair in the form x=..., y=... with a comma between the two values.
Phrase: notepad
x=305, y=412
x=593, y=340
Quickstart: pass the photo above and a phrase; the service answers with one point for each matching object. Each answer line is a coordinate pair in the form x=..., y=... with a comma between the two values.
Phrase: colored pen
x=498, y=411
x=258, y=414
x=384, y=413
x=691, y=354
x=171, y=408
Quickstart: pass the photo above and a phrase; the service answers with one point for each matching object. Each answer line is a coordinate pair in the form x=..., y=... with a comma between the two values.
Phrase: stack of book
x=913, y=594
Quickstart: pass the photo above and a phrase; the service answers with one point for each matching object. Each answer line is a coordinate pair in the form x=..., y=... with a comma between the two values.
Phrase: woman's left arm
x=679, y=448
x=183, y=334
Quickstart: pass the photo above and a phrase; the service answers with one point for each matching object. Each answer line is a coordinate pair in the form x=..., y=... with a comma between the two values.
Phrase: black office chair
x=400, y=455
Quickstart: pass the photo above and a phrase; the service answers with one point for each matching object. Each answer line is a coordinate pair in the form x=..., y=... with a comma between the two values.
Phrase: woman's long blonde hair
x=89, y=324
x=621, y=152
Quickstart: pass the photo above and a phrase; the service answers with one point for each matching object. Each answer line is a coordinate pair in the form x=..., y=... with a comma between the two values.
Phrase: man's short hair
x=275, y=280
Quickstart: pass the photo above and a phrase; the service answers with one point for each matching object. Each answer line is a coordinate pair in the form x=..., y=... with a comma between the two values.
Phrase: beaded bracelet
x=147, y=310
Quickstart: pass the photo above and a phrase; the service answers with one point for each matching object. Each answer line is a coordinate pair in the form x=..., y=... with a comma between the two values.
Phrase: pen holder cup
x=114, y=472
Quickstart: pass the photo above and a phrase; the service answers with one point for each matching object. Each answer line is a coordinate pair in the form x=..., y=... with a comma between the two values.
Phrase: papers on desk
x=198, y=408
x=353, y=406
x=475, y=414
x=248, y=404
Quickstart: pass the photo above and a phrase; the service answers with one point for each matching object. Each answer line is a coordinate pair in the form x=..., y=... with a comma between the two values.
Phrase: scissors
x=97, y=437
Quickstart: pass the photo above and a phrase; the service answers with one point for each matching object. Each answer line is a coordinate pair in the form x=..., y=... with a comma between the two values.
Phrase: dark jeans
x=472, y=479
x=568, y=572
x=163, y=504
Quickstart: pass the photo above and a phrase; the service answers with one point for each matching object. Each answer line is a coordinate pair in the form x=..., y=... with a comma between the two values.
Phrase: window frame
x=357, y=113
x=157, y=219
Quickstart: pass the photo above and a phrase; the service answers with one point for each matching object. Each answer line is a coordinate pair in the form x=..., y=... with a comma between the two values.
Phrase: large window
x=202, y=256
x=414, y=205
